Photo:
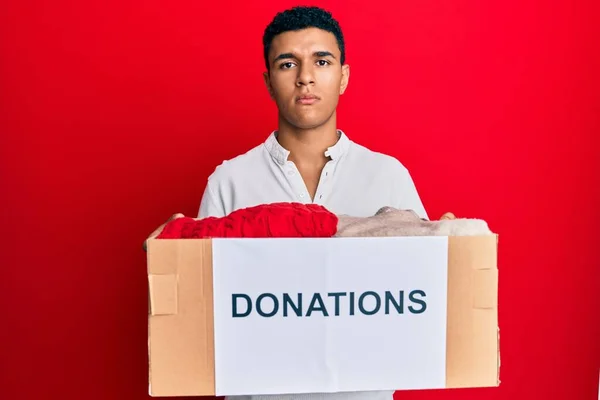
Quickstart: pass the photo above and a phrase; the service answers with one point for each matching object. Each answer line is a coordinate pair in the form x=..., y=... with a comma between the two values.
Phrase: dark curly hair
x=302, y=17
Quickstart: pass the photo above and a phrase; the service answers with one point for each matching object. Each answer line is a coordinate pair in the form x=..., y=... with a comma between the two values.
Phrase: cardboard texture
x=181, y=327
x=472, y=352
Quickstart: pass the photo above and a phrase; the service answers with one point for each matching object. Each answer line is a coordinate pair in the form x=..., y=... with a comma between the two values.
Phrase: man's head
x=305, y=54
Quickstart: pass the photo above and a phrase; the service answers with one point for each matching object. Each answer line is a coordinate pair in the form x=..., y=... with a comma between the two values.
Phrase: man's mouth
x=307, y=99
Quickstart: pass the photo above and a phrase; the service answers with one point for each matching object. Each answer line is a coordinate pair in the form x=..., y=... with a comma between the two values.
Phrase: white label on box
x=316, y=315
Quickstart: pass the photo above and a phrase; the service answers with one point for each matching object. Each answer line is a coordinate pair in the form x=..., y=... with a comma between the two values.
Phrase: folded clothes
x=389, y=221
x=261, y=221
x=312, y=220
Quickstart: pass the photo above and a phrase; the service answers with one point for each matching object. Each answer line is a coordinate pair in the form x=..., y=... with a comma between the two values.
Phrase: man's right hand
x=158, y=230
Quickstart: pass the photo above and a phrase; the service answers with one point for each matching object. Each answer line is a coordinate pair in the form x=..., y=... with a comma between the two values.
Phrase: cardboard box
x=268, y=316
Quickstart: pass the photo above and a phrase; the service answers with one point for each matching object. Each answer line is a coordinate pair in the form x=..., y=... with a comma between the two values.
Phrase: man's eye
x=322, y=63
x=286, y=65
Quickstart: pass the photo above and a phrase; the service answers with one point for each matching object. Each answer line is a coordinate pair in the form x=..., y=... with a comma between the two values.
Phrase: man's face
x=306, y=77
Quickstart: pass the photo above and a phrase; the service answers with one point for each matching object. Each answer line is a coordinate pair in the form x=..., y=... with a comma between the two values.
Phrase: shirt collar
x=280, y=155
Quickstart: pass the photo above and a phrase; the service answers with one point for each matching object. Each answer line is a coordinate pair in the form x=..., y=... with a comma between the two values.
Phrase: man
x=307, y=159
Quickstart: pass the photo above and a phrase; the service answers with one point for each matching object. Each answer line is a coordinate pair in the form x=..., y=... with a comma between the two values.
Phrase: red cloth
x=265, y=220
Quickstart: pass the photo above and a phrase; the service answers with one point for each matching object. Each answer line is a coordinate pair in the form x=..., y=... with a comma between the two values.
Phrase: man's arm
x=409, y=196
x=210, y=205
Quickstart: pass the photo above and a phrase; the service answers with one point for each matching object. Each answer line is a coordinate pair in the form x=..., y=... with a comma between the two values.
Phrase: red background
x=112, y=115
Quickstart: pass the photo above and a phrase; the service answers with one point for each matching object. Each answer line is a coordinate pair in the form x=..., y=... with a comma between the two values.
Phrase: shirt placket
x=295, y=179
x=299, y=187
x=324, y=186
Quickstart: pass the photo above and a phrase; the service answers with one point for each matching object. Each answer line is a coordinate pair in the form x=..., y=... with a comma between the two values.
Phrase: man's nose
x=305, y=76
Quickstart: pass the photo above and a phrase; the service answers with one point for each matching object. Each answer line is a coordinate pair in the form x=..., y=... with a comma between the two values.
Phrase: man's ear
x=345, y=78
x=268, y=84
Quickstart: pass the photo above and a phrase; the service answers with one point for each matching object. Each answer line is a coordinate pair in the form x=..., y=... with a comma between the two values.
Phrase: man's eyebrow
x=324, y=54
x=285, y=56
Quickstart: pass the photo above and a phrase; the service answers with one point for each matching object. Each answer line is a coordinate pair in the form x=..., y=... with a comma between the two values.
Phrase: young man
x=307, y=159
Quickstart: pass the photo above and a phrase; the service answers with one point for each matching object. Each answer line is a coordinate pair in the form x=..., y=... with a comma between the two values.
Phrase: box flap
x=472, y=328
x=180, y=324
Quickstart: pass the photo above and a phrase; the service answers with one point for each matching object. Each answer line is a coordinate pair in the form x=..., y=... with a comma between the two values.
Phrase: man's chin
x=307, y=123
x=308, y=126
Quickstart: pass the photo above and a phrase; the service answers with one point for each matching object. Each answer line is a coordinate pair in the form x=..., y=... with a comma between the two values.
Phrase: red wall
x=109, y=114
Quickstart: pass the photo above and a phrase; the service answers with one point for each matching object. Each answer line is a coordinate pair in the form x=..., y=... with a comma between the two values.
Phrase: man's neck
x=307, y=147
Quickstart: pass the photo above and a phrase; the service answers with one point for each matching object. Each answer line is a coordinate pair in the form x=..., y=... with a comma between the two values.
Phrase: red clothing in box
x=265, y=220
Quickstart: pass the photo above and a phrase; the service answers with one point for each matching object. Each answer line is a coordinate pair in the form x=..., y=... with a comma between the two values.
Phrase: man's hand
x=448, y=215
x=160, y=228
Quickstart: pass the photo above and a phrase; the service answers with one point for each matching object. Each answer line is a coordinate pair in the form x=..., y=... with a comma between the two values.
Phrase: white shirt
x=356, y=181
